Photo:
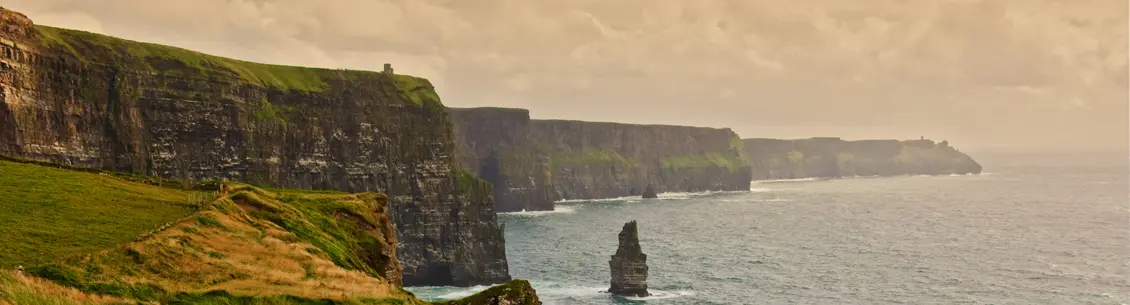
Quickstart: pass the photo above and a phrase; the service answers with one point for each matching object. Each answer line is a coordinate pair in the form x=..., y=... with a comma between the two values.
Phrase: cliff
x=605, y=160
x=88, y=100
x=534, y=162
x=833, y=158
x=497, y=145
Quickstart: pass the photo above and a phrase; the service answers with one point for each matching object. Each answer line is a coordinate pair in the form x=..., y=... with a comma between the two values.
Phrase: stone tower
x=629, y=265
x=388, y=69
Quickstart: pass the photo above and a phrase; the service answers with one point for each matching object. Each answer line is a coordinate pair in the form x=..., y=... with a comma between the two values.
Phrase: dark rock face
x=93, y=101
x=833, y=158
x=649, y=192
x=593, y=160
x=532, y=163
x=629, y=265
x=496, y=144
x=516, y=292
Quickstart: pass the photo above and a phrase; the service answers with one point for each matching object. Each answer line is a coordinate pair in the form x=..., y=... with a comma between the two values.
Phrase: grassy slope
x=246, y=246
x=102, y=49
x=18, y=289
x=249, y=242
x=46, y=206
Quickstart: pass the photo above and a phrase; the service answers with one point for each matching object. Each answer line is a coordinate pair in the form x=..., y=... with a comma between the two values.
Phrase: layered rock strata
x=534, y=162
x=593, y=160
x=89, y=100
x=496, y=144
x=629, y=265
x=833, y=158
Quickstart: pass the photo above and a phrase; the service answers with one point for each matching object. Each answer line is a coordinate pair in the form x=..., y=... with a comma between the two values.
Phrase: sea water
x=1034, y=229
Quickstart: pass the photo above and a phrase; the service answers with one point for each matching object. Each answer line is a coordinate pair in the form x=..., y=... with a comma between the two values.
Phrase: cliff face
x=605, y=160
x=833, y=157
x=534, y=162
x=95, y=101
x=496, y=144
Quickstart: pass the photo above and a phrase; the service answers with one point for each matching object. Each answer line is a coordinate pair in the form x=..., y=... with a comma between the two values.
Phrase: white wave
x=547, y=291
x=627, y=198
x=561, y=209
x=662, y=196
x=760, y=189
x=446, y=293
x=785, y=180
x=660, y=294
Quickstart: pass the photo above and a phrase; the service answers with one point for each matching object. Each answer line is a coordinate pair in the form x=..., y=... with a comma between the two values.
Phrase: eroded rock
x=629, y=265
x=649, y=192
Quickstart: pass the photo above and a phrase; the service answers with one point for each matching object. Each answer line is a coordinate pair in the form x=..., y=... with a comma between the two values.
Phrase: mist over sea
x=1034, y=229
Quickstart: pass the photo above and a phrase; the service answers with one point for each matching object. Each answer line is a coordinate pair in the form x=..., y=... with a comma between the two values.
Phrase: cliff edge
x=88, y=100
x=532, y=163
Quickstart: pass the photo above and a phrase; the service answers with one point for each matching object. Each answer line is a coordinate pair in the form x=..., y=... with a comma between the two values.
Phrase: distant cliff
x=833, y=157
x=534, y=162
x=95, y=101
x=497, y=145
x=605, y=160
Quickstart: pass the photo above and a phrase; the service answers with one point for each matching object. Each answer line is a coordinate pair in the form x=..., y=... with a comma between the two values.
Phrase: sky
x=983, y=74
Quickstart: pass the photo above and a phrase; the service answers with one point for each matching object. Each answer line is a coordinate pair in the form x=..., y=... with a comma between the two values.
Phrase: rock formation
x=89, y=100
x=516, y=292
x=833, y=158
x=629, y=265
x=496, y=145
x=534, y=162
x=593, y=160
x=649, y=192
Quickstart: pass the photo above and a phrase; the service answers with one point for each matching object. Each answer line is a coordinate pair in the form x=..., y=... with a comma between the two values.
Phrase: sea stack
x=649, y=192
x=629, y=265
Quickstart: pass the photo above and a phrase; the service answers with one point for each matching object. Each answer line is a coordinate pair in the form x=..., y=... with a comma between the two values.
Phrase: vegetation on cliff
x=730, y=162
x=138, y=243
x=833, y=157
x=516, y=292
x=102, y=49
x=41, y=208
x=589, y=157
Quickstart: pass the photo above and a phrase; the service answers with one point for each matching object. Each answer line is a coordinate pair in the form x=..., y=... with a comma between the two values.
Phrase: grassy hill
x=92, y=237
x=48, y=212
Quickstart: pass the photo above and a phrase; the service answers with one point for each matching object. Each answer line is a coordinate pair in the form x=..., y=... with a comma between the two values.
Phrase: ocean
x=1032, y=229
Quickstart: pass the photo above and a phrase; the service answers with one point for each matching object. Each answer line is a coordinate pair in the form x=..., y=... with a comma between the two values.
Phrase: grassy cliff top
x=102, y=49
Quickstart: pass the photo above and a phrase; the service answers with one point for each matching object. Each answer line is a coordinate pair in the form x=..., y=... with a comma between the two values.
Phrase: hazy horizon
x=984, y=75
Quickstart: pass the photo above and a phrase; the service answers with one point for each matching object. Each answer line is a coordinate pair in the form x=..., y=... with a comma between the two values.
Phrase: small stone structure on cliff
x=649, y=192
x=629, y=265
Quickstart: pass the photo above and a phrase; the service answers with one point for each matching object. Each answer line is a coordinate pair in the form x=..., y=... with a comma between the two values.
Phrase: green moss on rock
x=730, y=162
x=516, y=292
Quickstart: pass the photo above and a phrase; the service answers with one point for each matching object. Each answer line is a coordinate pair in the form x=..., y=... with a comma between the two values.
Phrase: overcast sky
x=982, y=74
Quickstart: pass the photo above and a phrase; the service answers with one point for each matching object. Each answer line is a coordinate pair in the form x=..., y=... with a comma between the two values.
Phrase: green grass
x=87, y=224
x=513, y=290
x=590, y=156
x=415, y=89
x=96, y=47
x=336, y=224
x=92, y=47
x=730, y=162
x=47, y=212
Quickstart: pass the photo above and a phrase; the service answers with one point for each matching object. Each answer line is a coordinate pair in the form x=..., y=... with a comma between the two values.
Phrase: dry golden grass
x=240, y=254
x=18, y=289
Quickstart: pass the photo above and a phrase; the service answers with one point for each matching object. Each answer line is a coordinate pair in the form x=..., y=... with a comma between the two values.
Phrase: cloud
x=731, y=63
